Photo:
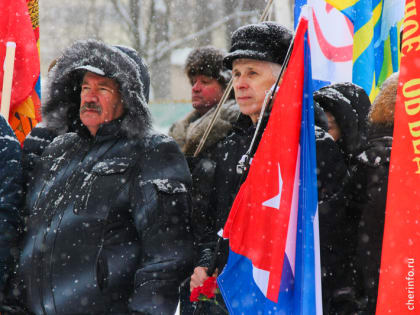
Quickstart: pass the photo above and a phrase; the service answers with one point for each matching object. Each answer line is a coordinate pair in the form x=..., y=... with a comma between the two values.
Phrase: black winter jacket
x=11, y=199
x=372, y=177
x=214, y=189
x=222, y=182
x=107, y=231
x=332, y=177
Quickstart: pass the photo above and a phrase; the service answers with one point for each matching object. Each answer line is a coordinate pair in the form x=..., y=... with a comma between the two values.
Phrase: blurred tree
x=153, y=27
x=203, y=16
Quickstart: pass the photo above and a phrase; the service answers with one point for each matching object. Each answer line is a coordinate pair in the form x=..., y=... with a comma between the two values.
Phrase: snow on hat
x=144, y=72
x=60, y=111
x=207, y=61
x=349, y=104
x=266, y=41
x=134, y=56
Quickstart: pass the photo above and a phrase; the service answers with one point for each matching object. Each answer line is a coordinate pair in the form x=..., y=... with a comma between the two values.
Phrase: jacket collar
x=111, y=130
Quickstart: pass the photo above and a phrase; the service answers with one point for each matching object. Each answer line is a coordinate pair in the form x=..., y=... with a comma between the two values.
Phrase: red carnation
x=209, y=287
x=195, y=293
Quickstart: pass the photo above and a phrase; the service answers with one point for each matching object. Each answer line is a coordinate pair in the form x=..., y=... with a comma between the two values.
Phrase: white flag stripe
x=261, y=279
x=292, y=228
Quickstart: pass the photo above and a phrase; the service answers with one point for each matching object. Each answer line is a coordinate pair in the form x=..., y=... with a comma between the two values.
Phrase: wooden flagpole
x=263, y=17
x=9, y=62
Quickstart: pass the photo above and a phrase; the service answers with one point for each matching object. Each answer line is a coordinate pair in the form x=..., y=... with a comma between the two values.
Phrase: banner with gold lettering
x=400, y=264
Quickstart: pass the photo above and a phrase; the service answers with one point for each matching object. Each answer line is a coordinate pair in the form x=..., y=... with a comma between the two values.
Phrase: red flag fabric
x=399, y=276
x=16, y=26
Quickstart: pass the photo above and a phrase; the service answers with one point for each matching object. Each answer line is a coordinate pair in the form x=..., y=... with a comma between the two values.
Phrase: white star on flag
x=275, y=201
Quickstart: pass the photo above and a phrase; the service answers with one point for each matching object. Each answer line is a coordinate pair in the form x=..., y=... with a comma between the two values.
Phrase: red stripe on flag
x=400, y=275
x=16, y=26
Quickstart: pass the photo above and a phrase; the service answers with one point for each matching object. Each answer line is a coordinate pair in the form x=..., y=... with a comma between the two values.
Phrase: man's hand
x=199, y=276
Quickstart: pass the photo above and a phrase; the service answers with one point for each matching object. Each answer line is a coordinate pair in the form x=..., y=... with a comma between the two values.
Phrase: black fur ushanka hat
x=266, y=41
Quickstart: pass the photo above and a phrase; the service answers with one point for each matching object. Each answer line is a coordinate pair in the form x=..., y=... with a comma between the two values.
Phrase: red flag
x=400, y=262
x=19, y=22
x=16, y=26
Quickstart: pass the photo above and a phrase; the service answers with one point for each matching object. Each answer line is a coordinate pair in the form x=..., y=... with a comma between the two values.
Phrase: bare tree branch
x=149, y=26
x=163, y=48
x=125, y=16
x=135, y=18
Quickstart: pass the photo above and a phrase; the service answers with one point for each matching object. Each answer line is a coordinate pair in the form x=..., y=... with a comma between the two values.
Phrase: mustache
x=90, y=106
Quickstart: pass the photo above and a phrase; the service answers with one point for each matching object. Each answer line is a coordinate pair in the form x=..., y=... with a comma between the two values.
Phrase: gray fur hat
x=207, y=61
x=266, y=41
x=61, y=109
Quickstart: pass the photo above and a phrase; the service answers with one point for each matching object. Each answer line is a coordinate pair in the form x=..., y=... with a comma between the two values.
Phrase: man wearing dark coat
x=347, y=106
x=209, y=78
x=255, y=57
x=107, y=229
x=372, y=178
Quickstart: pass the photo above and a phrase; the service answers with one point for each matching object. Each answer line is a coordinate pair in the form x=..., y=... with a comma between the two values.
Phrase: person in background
x=209, y=78
x=372, y=177
x=255, y=57
x=107, y=229
x=346, y=106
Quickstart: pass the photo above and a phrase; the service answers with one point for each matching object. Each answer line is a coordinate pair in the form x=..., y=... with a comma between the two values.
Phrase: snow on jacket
x=332, y=176
x=350, y=106
x=188, y=133
x=11, y=193
x=372, y=178
x=108, y=229
x=223, y=185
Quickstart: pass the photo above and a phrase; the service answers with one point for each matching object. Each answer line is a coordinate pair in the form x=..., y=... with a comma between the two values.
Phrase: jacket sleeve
x=11, y=196
x=202, y=218
x=162, y=206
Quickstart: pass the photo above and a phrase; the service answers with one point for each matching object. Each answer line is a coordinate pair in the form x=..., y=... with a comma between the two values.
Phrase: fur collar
x=188, y=131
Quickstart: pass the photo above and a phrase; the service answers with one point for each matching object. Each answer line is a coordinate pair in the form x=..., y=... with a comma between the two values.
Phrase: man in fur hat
x=255, y=58
x=208, y=78
x=107, y=229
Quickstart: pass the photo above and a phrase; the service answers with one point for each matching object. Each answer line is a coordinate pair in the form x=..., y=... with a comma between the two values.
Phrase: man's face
x=100, y=101
x=206, y=92
x=251, y=80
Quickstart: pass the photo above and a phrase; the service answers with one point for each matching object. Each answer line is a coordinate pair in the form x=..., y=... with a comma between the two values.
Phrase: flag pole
x=243, y=164
x=263, y=17
x=9, y=62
